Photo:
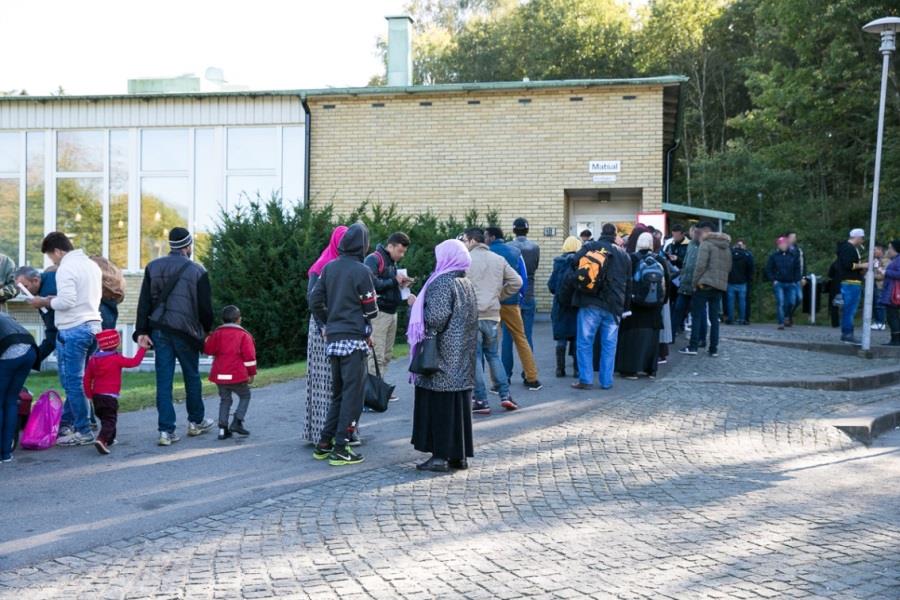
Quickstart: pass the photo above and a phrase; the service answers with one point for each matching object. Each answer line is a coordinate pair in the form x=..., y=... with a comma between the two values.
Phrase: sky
x=95, y=46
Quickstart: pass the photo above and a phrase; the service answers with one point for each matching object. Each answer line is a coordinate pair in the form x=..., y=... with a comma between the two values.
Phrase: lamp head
x=883, y=25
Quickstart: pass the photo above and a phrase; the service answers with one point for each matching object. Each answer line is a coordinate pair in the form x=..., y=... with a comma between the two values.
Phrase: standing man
x=388, y=283
x=797, y=251
x=79, y=288
x=510, y=313
x=586, y=236
x=879, y=311
x=494, y=280
x=531, y=255
x=41, y=284
x=710, y=281
x=738, y=282
x=686, y=287
x=174, y=316
x=850, y=268
x=782, y=269
x=8, y=289
x=600, y=309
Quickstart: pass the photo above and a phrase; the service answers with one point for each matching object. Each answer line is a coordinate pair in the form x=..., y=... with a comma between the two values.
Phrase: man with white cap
x=174, y=316
x=850, y=271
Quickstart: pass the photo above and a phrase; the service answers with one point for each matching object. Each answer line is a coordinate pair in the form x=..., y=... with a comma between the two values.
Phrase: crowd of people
x=619, y=303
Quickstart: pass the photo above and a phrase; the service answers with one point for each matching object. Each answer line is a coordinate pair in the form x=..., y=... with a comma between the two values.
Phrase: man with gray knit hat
x=174, y=316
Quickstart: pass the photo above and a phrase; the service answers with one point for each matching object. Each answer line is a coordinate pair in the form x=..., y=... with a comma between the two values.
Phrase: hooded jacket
x=234, y=354
x=344, y=298
x=384, y=272
x=494, y=281
x=741, y=266
x=713, y=262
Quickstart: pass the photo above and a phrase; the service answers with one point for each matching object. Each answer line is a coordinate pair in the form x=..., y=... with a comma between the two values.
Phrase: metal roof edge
x=698, y=212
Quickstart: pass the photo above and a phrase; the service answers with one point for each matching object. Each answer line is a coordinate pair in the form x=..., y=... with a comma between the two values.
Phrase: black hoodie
x=344, y=298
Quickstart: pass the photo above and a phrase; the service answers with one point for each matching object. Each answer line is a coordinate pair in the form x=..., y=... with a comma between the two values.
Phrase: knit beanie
x=645, y=241
x=108, y=339
x=179, y=238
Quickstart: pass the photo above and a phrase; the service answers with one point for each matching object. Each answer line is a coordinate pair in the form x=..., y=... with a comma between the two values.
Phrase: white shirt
x=79, y=289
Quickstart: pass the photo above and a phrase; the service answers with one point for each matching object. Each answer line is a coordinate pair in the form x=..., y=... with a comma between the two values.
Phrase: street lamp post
x=887, y=28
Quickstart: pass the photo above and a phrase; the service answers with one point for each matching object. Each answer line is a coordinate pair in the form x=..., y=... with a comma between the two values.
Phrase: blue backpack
x=649, y=287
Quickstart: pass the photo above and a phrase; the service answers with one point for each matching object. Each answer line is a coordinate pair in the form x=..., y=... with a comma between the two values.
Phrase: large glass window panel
x=207, y=197
x=244, y=188
x=34, y=198
x=9, y=218
x=9, y=152
x=165, y=203
x=293, y=164
x=118, y=197
x=252, y=148
x=79, y=211
x=164, y=150
x=79, y=151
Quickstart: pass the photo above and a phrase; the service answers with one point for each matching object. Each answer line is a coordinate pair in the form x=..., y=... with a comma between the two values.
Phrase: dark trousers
x=348, y=374
x=703, y=300
x=225, y=399
x=680, y=312
x=893, y=319
x=13, y=373
x=107, y=409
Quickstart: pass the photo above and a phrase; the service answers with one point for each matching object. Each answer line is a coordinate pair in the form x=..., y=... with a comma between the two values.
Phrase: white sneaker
x=167, y=439
x=202, y=427
x=76, y=439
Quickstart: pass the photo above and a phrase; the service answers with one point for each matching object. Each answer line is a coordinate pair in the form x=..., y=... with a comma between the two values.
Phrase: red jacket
x=103, y=374
x=233, y=352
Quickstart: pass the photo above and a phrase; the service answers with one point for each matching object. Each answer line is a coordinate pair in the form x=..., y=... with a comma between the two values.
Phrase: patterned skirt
x=318, y=385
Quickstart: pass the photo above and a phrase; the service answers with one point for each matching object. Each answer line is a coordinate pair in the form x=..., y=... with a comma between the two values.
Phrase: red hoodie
x=234, y=354
x=103, y=374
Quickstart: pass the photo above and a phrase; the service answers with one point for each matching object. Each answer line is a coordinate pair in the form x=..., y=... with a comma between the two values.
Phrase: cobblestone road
x=680, y=491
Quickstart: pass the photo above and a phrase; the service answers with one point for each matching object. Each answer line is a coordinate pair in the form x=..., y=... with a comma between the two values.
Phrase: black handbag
x=426, y=360
x=378, y=391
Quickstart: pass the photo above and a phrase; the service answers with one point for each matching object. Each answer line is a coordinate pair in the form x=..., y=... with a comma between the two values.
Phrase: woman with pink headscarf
x=446, y=308
x=318, y=366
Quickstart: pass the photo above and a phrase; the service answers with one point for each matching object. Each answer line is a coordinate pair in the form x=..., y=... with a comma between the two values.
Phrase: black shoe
x=237, y=426
x=460, y=464
x=323, y=450
x=344, y=456
x=437, y=465
x=534, y=385
x=689, y=351
x=224, y=432
x=355, y=440
x=481, y=407
x=582, y=386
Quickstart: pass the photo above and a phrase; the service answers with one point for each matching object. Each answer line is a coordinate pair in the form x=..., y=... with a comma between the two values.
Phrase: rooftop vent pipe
x=399, y=51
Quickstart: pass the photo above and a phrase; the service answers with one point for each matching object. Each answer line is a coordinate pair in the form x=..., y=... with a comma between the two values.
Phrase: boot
x=574, y=366
x=560, y=362
x=224, y=432
x=237, y=426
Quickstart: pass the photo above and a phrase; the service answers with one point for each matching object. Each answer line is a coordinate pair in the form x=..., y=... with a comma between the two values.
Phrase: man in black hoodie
x=344, y=301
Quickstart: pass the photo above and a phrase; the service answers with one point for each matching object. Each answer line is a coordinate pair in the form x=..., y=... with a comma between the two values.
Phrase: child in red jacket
x=233, y=369
x=103, y=383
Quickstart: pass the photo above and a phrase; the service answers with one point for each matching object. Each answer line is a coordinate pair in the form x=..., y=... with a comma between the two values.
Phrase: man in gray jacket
x=494, y=280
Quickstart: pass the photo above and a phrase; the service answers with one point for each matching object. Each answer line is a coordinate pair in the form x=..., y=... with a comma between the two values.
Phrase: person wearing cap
x=174, y=316
x=76, y=305
x=531, y=254
x=850, y=268
x=103, y=384
x=783, y=270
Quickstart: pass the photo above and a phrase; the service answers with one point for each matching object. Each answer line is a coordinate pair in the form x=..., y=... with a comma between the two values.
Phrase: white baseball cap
x=857, y=233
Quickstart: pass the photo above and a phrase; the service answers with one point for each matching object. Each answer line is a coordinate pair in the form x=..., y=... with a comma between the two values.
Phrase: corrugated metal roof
x=666, y=80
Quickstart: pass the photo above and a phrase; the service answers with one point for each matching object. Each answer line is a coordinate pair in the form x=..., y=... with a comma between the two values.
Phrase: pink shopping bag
x=43, y=425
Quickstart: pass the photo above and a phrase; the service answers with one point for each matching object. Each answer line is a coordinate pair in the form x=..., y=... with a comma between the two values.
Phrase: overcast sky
x=95, y=46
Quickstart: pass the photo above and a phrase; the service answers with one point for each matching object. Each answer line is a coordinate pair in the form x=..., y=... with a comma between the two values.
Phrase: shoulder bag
x=160, y=310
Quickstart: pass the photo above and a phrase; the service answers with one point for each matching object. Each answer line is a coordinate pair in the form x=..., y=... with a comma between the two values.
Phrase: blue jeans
x=526, y=307
x=879, y=311
x=593, y=320
x=785, y=300
x=705, y=299
x=486, y=351
x=737, y=291
x=168, y=348
x=852, y=294
x=73, y=346
x=13, y=373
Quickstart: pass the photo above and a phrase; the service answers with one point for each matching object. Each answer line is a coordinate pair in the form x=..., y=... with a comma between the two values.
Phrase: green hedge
x=259, y=256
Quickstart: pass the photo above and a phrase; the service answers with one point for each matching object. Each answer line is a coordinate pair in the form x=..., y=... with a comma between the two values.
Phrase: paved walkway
x=670, y=489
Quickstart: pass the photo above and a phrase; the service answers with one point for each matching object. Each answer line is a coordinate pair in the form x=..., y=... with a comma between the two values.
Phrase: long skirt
x=666, y=333
x=638, y=351
x=442, y=423
x=318, y=385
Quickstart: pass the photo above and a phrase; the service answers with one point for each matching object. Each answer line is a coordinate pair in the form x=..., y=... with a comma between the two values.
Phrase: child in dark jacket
x=233, y=369
x=103, y=384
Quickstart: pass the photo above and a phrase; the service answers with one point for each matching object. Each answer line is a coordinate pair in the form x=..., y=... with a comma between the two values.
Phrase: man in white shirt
x=79, y=289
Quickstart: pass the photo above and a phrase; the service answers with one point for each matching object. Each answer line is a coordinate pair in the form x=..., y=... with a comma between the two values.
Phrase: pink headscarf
x=330, y=252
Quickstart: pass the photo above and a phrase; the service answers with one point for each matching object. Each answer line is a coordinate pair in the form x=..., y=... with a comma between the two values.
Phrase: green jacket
x=686, y=286
x=8, y=287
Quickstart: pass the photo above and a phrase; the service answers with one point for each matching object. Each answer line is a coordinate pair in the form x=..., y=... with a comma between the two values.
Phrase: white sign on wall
x=603, y=178
x=604, y=166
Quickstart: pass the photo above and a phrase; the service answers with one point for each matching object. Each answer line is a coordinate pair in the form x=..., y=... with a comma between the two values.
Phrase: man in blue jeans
x=783, y=270
x=601, y=302
x=850, y=270
x=531, y=256
x=79, y=288
x=174, y=316
x=710, y=281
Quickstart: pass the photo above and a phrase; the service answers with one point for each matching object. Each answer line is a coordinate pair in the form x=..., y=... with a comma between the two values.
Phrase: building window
x=118, y=196
x=165, y=203
x=34, y=198
x=79, y=151
x=79, y=211
x=9, y=217
x=164, y=150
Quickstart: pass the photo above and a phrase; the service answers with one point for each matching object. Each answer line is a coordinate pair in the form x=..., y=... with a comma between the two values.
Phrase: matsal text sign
x=604, y=166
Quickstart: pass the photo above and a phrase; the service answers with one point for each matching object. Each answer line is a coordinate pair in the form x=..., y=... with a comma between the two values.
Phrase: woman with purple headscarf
x=447, y=308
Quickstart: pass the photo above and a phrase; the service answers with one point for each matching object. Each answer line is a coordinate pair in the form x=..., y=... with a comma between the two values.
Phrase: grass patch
x=139, y=388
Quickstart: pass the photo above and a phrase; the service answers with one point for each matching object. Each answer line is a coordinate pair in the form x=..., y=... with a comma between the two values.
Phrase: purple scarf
x=451, y=255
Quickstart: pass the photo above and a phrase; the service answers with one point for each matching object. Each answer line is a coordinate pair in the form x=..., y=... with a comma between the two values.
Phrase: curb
x=867, y=423
x=864, y=380
x=829, y=347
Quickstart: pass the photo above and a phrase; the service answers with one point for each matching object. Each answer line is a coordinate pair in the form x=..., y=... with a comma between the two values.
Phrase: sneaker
x=393, y=397
x=167, y=439
x=344, y=456
x=481, y=407
x=631, y=377
x=322, y=452
x=509, y=404
x=101, y=447
x=65, y=431
x=582, y=386
x=534, y=385
x=688, y=351
x=76, y=439
x=662, y=361
x=355, y=440
x=202, y=427
x=8, y=459
x=224, y=433
x=714, y=354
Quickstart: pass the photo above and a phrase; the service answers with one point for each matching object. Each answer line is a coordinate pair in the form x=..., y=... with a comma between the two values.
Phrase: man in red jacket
x=233, y=369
